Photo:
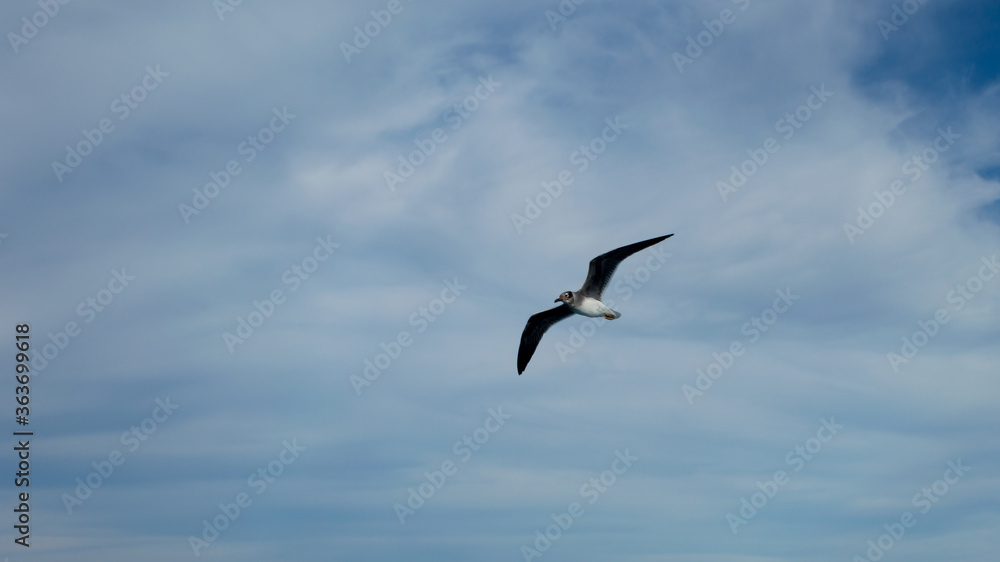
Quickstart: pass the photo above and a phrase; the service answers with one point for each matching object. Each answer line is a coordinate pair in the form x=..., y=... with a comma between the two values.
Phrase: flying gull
x=586, y=301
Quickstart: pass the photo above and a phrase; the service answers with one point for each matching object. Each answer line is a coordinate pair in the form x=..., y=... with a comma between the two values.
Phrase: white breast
x=591, y=307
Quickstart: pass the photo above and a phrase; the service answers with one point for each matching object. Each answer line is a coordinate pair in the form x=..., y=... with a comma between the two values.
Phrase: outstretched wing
x=603, y=266
x=534, y=329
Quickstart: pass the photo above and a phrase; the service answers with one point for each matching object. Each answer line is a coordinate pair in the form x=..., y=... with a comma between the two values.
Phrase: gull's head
x=565, y=297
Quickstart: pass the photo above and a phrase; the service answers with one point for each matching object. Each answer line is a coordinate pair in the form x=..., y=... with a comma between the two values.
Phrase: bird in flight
x=586, y=301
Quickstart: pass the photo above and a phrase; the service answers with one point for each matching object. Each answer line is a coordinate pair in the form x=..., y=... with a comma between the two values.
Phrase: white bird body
x=591, y=307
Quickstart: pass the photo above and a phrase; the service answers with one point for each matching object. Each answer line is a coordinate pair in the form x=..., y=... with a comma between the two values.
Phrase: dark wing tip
x=523, y=352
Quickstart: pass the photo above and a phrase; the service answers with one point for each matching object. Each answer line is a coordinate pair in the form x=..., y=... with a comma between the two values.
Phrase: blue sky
x=276, y=261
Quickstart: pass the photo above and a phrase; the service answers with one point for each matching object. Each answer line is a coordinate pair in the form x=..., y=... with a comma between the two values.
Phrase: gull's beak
x=557, y=300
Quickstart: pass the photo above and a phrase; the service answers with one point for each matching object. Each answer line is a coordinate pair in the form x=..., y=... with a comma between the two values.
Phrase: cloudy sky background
x=62, y=236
